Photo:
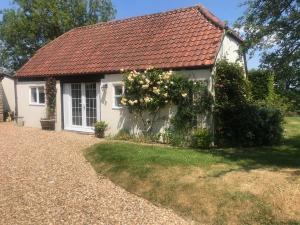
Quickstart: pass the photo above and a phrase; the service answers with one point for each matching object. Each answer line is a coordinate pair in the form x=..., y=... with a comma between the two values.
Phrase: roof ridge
x=218, y=22
x=139, y=17
x=211, y=17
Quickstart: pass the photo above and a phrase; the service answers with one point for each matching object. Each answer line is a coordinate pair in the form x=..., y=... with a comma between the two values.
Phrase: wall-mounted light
x=104, y=87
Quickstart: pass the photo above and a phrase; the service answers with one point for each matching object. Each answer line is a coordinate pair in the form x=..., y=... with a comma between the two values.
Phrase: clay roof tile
x=181, y=38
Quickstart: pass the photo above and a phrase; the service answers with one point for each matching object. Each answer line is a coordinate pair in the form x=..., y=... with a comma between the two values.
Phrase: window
x=37, y=95
x=118, y=93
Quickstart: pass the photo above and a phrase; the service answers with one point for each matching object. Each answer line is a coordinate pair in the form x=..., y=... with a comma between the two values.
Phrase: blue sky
x=228, y=10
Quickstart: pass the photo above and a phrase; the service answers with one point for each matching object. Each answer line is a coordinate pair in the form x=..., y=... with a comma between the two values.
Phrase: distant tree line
x=31, y=24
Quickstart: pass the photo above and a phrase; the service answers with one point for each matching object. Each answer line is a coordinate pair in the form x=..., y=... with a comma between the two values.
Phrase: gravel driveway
x=44, y=179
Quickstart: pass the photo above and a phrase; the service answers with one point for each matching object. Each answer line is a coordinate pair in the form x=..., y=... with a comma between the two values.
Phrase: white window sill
x=117, y=108
x=36, y=104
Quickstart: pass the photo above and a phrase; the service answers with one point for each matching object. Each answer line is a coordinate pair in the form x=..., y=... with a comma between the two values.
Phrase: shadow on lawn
x=284, y=156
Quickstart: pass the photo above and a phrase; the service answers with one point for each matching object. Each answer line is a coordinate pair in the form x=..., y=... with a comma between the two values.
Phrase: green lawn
x=222, y=186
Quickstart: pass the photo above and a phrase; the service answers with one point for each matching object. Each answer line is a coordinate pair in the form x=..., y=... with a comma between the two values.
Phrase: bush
x=198, y=138
x=238, y=122
x=100, y=128
x=175, y=138
x=201, y=138
x=231, y=86
x=293, y=97
x=249, y=125
x=278, y=102
x=123, y=135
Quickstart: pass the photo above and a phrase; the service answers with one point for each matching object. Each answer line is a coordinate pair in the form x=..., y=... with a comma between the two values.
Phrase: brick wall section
x=1, y=102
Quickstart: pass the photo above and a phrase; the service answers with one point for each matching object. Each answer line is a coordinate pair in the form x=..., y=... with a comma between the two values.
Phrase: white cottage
x=87, y=61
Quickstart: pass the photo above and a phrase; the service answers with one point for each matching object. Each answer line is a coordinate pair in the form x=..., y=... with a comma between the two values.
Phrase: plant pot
x=99, y=134
x=48, y=124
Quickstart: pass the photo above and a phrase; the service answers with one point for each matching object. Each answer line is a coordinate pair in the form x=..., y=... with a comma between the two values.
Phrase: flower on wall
x=145, y=86
x=150, y=87
x=184, y=95
x=153, y=89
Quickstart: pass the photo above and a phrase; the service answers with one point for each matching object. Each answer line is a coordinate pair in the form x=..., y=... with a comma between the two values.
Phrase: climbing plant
x=149, y=91
x=51, y=97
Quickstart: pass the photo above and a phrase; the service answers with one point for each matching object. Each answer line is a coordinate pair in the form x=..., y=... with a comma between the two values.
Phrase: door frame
x=67, y=107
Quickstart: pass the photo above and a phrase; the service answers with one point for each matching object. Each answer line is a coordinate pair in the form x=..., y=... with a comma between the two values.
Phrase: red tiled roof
x=182, y=38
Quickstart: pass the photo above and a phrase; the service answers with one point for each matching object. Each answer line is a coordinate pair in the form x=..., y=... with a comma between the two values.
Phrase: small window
x=37, y=95
x=118, y=93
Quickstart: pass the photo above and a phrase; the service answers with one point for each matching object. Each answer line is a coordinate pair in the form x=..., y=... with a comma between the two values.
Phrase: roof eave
x=24, y=76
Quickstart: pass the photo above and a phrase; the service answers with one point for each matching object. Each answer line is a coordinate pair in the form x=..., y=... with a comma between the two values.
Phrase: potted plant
x=48, y=123
x=100, y=128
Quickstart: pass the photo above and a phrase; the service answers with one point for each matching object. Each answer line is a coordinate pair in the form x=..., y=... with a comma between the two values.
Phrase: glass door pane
x=76, y=104
x=91, y=104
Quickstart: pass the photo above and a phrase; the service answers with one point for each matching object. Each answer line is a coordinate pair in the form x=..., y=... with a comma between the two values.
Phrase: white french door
x=81, y=106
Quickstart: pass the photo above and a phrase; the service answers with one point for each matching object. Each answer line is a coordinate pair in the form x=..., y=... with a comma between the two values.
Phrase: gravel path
x=44, y=179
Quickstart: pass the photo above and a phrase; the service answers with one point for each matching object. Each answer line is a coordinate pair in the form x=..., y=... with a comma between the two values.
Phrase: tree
x=261, y=85
x=273, y=27
x=33, y=23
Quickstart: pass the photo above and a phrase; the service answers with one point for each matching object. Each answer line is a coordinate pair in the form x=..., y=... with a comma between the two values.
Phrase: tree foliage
x=273, y=27
x=30, y=24
x=263, y=91
x=261, y=84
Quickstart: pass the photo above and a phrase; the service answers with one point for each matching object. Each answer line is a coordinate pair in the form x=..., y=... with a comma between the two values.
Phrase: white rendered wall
x=121, y=119
x=33, y=113
x=230, y=50
x=117, y=118
x=8, y=94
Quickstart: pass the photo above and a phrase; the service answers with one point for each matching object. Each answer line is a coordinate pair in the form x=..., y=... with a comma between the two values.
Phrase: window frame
x=114, y=96
x=37, y=103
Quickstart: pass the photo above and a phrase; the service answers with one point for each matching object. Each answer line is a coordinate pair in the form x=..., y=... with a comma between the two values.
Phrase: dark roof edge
x=217, y=22
x=219, y=48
